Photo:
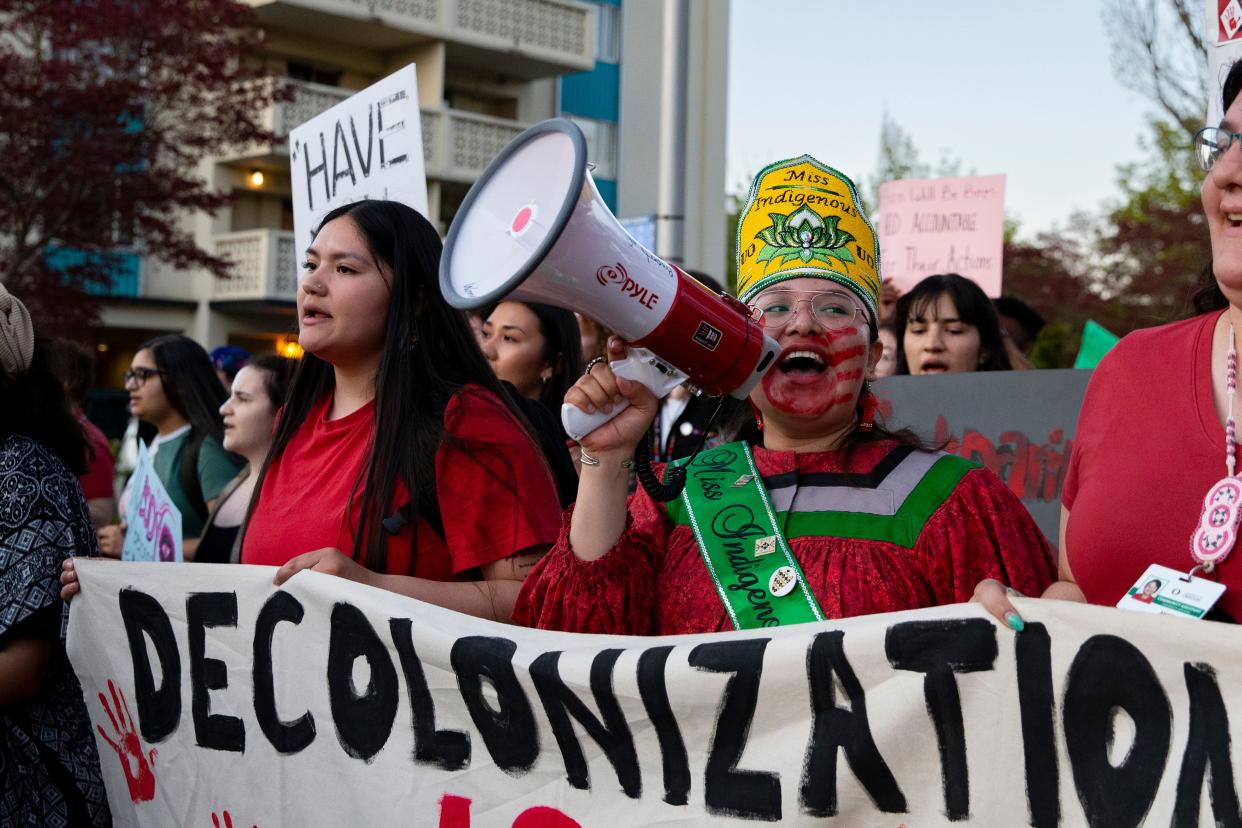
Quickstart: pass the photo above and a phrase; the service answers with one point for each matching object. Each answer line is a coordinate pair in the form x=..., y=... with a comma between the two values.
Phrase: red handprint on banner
x=128, y=747
x=228, y=820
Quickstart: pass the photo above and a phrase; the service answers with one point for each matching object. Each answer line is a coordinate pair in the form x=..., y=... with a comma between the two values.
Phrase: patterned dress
x=49, y=768
x=882, y=529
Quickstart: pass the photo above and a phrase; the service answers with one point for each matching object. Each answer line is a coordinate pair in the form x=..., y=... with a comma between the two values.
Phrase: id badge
x=1166, y=591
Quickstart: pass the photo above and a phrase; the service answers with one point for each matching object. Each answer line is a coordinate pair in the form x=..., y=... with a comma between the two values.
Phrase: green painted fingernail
x=1015, y=621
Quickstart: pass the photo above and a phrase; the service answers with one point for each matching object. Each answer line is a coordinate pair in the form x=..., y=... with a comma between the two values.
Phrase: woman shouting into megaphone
x=815, y=511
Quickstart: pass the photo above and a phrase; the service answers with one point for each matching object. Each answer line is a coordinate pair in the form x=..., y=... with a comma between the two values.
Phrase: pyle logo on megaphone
x=533, y=228
x=616, y=274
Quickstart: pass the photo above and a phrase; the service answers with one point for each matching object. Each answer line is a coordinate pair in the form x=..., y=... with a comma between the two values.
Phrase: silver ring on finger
x=596, y=361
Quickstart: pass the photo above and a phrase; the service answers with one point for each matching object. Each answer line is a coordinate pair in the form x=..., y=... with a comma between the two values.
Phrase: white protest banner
x=368, y=146
x=1223, y=33
x=943, y=225
x=326, y=702
x=154, y=521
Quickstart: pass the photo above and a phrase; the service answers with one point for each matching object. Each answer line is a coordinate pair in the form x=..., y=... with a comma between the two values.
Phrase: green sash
x=741, y=542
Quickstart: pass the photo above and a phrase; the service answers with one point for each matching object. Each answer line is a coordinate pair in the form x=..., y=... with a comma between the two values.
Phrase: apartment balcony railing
x=531, y=38
x=265, y=266
x=550, y=28
x=309, y=100
x=457, y=146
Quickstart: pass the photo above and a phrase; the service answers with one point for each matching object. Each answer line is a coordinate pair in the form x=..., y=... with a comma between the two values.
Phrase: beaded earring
x=869, y=405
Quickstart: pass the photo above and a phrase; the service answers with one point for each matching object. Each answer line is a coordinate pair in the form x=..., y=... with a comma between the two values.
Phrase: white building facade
x=487, y=69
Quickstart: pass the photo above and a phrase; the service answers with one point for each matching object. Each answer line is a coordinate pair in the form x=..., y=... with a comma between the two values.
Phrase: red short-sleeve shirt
x=96, y=482
x=495, y=492
x=1148, y=447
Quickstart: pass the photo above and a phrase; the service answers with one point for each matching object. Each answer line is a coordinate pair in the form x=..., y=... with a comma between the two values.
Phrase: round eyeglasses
x=831, y=310
x=1211, y=143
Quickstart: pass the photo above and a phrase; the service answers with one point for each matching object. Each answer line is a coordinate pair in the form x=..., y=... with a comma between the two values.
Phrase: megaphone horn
x=533, y=228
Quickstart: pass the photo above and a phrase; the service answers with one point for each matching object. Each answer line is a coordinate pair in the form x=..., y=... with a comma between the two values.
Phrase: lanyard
x=1217, y=532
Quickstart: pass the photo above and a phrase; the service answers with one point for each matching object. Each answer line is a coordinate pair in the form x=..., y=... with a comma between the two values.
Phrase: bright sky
x=1025, y=89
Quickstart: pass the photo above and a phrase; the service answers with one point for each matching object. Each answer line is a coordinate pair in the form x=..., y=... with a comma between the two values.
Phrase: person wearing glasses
x=815, y=510
x=1160, y=406
x=174, y=389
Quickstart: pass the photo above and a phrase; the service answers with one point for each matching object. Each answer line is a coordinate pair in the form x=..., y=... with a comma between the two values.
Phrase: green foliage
x=1133, y=264
x=1154, y=244
x=1055, y=346
x=898, y=159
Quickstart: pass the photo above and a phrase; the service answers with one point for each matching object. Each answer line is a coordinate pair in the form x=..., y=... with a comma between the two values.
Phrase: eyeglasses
x=1211, y=143
x=139, y=376
x=833, y=311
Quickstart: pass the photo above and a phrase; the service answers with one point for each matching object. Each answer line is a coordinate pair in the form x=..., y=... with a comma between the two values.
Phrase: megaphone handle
x=639, y=365
x=579, y=424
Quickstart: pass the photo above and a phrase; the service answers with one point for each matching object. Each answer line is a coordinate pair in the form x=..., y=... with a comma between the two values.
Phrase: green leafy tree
x=898, y=158
x=1154, y=245
x=1136, y=262
x=106, y=109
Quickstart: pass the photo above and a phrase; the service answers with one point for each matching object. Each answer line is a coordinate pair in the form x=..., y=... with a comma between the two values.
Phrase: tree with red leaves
x=106, y=110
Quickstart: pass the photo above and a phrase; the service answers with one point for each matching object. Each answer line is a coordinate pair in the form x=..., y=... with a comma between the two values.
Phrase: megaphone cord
x=674, y=476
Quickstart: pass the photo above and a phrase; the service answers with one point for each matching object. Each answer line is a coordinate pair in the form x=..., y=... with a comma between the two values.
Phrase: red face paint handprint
x=128, y=747
x=228, y=820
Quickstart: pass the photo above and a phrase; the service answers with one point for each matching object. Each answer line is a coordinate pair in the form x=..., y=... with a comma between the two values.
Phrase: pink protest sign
x=942, y=225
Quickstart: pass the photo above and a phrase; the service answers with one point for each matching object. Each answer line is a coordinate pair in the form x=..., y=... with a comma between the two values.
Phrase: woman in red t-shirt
x=398, y=460
x=1151, y=437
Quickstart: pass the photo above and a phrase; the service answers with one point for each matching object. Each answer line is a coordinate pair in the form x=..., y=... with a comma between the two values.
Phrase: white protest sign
x=368, y=146
x=154, y=521
x=1223, y=31
x=943, y=225
x=326, y=702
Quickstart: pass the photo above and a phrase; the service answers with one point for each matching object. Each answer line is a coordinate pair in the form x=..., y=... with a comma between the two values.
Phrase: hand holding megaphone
x=605, y=396
x=534, y=228
x=582, y=416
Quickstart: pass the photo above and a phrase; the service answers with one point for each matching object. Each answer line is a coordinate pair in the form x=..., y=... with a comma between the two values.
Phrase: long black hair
x=429, y=353
x=35, y=405
x=973, y=307
x=189, y=382
x=1208, y=295
x=562, y=347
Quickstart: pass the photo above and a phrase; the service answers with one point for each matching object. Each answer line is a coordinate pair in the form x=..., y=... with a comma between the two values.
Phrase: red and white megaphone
x=533, y=228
